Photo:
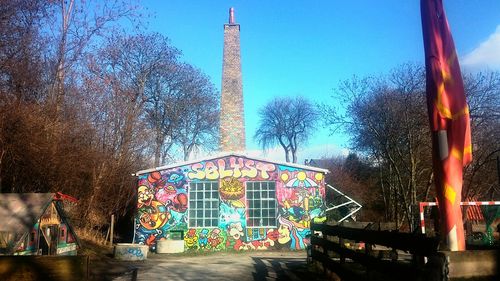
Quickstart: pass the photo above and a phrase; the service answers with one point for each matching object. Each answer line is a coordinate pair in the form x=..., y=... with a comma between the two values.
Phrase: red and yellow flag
x=449, y=118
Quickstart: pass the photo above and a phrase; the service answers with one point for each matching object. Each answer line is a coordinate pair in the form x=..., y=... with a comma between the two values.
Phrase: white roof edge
x=225, y=154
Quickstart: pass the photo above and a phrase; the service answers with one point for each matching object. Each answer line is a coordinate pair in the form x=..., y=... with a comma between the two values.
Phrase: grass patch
x=94, y=250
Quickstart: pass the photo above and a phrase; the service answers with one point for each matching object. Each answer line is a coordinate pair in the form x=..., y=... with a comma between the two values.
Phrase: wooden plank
x=396, y=269
x=414, y=243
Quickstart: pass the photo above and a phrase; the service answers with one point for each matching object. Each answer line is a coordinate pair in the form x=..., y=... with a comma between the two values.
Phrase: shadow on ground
x=219, y=266
x=283, y=269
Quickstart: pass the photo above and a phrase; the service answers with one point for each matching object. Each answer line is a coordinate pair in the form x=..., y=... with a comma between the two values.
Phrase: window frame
x=268, y=198
x=214, y=207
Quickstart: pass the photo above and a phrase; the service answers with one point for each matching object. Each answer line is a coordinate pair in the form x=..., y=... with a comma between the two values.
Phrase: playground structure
x=473, y=213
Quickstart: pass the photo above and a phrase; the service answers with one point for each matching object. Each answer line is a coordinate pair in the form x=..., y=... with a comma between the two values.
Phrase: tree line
x=389, y=168
x=85, y=102
x=390, y=165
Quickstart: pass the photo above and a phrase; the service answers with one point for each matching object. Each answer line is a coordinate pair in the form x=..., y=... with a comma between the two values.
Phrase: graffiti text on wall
x=232, y=167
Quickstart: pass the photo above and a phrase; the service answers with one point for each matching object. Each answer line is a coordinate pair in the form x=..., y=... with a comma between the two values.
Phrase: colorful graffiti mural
x=205, y=239
x=162, y=204
x=298, y=194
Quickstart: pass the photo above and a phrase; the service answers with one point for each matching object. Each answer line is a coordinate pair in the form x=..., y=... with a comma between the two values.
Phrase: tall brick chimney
x=232, y=126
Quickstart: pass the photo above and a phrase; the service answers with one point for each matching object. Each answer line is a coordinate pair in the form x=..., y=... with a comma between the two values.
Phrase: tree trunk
x=294, y=155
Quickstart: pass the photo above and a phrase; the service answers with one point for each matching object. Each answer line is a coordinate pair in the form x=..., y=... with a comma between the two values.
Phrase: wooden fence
x=386, y=255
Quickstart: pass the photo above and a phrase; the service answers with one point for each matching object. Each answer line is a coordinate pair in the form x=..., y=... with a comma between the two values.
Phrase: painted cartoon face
x=284, y=234
x=191, y=239
x=154, y=177
x=215, y=233
x=169, y=189
x=154, y=216
x=166, y=193
x=175, y=178
x=273, y=234
x=215, y=240
x=236, y=230
x=144, y=196
x=203, y=233
x=231, y=189
x=179, y=204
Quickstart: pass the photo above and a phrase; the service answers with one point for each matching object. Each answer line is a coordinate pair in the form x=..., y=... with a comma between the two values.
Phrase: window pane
x=261, y=198
x=265, y=213
x=265, y=204
x=203, y=204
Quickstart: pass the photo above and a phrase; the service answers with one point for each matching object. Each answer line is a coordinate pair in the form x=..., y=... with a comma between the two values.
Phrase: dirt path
x=223, y=266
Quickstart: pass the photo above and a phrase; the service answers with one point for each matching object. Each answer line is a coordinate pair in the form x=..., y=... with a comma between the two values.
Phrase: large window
x=261, y=197
x=203, y=204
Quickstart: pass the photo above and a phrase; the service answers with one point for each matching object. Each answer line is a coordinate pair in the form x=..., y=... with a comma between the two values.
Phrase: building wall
x=163, y=199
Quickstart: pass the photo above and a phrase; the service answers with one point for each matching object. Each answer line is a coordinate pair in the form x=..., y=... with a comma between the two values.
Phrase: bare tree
x=77, y=99
x=181, y=109
x=80, y=22
x=122, y=69
x=386, y=118
x=200, y=116
x=482, y=91
x=288, y=122
x=21, y=51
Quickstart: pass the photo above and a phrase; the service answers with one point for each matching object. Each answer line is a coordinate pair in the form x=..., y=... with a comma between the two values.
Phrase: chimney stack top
x=231, y=15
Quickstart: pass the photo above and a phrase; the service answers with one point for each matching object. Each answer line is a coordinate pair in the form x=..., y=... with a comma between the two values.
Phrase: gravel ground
x=241, y=266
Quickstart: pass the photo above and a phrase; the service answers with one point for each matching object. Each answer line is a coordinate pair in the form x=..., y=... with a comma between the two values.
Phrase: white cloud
x=486, y=55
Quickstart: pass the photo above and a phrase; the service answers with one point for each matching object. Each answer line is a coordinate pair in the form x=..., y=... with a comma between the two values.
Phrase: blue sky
x=307, y=47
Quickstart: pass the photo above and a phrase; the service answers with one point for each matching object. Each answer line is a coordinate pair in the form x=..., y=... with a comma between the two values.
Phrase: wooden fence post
x=341, y=242
x=112, y=229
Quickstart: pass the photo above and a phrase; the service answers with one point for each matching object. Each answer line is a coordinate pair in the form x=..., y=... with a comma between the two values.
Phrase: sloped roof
x=20, y=211
x=227, y=154
x=322, y=163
